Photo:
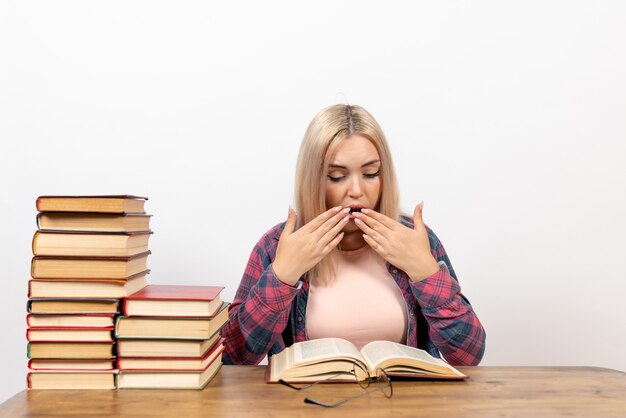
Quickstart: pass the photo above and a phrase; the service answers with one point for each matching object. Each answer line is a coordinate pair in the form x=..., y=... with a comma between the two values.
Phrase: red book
x=174, y=301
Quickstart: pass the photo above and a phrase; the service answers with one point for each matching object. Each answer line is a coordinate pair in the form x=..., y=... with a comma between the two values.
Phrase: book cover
x=174, y=300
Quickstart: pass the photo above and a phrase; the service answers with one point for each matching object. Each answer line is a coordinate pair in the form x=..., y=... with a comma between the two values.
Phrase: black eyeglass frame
x=381, y=377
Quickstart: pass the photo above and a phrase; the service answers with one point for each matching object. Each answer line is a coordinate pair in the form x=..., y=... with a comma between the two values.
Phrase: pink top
x=361, y=304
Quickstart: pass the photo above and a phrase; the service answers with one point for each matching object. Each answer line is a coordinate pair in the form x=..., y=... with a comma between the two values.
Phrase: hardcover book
x=71, y=221
x=44, y=267
x=184, y=328
x=69, y=334
x=58, y=288
x=101, y=203
x=169, y=379
x=171, y=363
x=165, y=348
x=73, y=306
x=71, y=364
x=174, y=300
x=70, y=321
x=71, y=380
x=70, y=350
x=86, y=244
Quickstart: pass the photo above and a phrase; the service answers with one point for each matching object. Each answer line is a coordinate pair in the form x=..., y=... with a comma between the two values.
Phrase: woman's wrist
x=284, y=276
x=423, y=271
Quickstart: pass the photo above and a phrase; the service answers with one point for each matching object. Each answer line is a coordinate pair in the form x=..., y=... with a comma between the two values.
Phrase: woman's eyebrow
x=362, y=166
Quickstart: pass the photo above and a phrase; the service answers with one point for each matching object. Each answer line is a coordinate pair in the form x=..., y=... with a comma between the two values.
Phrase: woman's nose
x=356, y=188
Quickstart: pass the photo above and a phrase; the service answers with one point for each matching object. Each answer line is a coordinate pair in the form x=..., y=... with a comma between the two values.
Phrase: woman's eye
x=335, y=179
x=372, y=175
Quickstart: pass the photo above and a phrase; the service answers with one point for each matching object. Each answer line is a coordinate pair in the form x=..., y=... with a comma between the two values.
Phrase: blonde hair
x=327, y=130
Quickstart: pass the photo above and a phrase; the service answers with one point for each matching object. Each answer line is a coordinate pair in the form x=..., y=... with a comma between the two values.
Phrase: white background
x=506, y=118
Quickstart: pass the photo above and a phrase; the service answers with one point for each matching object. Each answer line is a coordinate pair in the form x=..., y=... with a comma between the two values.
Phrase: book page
x=324, y=348
x=377, y=352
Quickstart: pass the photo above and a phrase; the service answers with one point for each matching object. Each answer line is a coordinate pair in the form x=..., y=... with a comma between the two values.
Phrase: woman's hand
x=406, y=248
x=299, y=251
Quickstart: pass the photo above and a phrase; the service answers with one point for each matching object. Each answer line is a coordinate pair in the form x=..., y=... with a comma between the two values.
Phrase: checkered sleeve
x=453, y=326
x=260, y=311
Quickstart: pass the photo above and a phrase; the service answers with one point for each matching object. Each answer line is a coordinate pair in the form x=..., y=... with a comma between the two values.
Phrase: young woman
x=347, y=264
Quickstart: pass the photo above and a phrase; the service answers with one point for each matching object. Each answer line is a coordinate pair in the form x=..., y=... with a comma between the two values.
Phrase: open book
x=335, y=358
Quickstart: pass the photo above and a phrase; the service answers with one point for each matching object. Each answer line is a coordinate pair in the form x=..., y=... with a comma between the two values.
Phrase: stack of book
x=89, y=252
x=169, y=337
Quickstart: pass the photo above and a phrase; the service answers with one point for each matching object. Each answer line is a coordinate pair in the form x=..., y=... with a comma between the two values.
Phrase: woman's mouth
x=352, y=210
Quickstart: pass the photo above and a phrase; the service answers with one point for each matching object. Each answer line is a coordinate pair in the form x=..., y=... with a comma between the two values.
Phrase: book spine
x=117, y=323
x=124, y=312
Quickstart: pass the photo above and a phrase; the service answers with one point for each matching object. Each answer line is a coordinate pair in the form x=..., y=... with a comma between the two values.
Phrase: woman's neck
x=352, y=241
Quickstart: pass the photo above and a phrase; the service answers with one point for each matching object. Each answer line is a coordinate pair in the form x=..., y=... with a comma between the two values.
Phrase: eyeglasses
x=381, y=378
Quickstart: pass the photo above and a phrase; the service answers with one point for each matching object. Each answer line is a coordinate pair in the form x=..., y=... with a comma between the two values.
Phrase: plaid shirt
x=268, y=315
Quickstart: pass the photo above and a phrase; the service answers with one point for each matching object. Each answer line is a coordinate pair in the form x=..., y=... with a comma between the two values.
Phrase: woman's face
x=353, y=178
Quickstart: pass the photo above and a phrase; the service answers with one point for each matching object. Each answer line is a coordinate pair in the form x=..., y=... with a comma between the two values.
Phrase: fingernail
x=346, y=210
x=364, y=210
x=356, y=214
x=365, y=237
x=341, y=235
x=337, y=208
x=346, y=219
x=358, y=221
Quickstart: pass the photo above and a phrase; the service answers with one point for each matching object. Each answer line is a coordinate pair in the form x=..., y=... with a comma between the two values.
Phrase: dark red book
x=174, y=301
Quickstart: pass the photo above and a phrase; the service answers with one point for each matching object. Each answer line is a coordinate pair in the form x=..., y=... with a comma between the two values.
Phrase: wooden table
x=240, y=391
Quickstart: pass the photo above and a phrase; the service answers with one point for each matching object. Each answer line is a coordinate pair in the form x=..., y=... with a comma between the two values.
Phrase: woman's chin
x=351, y=227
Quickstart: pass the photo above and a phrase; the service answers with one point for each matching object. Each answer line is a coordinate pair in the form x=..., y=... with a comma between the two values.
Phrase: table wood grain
x=240, y=391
